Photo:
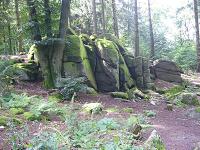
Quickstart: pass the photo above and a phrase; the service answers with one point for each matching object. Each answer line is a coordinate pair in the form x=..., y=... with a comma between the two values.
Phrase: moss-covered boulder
x=189, y=99
x=27, y=71
x=119, y=95
x=93, y=108
x=76, y=62
x=107, y=69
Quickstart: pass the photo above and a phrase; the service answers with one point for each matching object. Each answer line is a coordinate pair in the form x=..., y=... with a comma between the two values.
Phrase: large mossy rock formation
x=107, y=69
x=105, y=64
x=76, y=61
x=167, y=71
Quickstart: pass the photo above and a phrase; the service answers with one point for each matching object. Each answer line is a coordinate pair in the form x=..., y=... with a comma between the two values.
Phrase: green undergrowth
x=90, y=132
x=31, y=108
x=103, y=134
x=173, y=92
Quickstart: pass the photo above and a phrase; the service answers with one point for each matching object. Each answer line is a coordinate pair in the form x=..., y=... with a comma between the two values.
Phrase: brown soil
x=177, y=130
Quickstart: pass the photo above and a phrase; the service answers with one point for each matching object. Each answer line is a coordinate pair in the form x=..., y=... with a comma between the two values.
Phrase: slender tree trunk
x=69, y=13
x=137, y=51
x=18, y=19
x=63, y=19
x=9, y=38
x=197, y=33
x=151, y=31
x=103, y=17
x=48, y=18
x=94, y=16
x=115, y=22
x=36, y=35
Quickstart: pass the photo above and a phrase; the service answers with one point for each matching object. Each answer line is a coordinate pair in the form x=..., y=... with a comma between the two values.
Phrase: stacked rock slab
x=167, y=71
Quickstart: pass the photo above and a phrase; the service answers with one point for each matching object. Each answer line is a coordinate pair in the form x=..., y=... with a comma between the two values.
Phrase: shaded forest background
x=177, y=44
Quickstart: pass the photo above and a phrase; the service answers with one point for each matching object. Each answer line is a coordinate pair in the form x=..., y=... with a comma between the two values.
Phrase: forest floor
x=177, y=130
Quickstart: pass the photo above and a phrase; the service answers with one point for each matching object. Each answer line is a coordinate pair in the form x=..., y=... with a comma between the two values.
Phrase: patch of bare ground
x=178, y=131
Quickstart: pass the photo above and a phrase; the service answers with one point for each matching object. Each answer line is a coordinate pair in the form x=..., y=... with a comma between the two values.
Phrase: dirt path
x=177, y=130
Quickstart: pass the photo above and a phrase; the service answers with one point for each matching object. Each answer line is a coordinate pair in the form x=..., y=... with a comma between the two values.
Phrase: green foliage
x=149, y=113
x=17, y=100
x=107, y=124
x=6, y=76
x=71, y=86
x=4, y=121
x=31, y=117
x=185, y=55
x=128, y=110
x=197, y=109
x=158, y=144
x=173, y=92
x=17, y=111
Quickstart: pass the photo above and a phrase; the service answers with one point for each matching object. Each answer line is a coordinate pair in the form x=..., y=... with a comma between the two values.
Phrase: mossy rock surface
x=126, y=81
x=122, y=95
x=76, y=61
x=93, y=108
x=55, y=97
x=27, y=71
x=189, y=99
x=107, y=69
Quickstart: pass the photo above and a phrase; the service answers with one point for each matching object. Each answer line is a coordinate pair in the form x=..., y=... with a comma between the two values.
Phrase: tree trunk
x=197, y=34
x=151, y=31
x=18, y=19
x=94, y=16
x=103, y=17
x=137, y=51
x=48, y=18
x=63, y=19
x=36, y=35
x=115, y=22
x=9, y=39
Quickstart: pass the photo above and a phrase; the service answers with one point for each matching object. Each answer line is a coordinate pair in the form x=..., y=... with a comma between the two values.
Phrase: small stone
x=170, y=107
x=197, y=147
x=153, y=103
x=136, y=131
x=2, y=128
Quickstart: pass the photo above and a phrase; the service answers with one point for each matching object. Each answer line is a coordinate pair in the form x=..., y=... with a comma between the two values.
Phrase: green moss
x=111, y=110
x=93, y=108
x=76, y=62
x=128, y=110
x=173, y=92
x=197, y=109
x=17, y=111
x=119, y=95
x=3, y=121
x=31, y=117
x=126, y=81
x=149, y=113
x=55, y=97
